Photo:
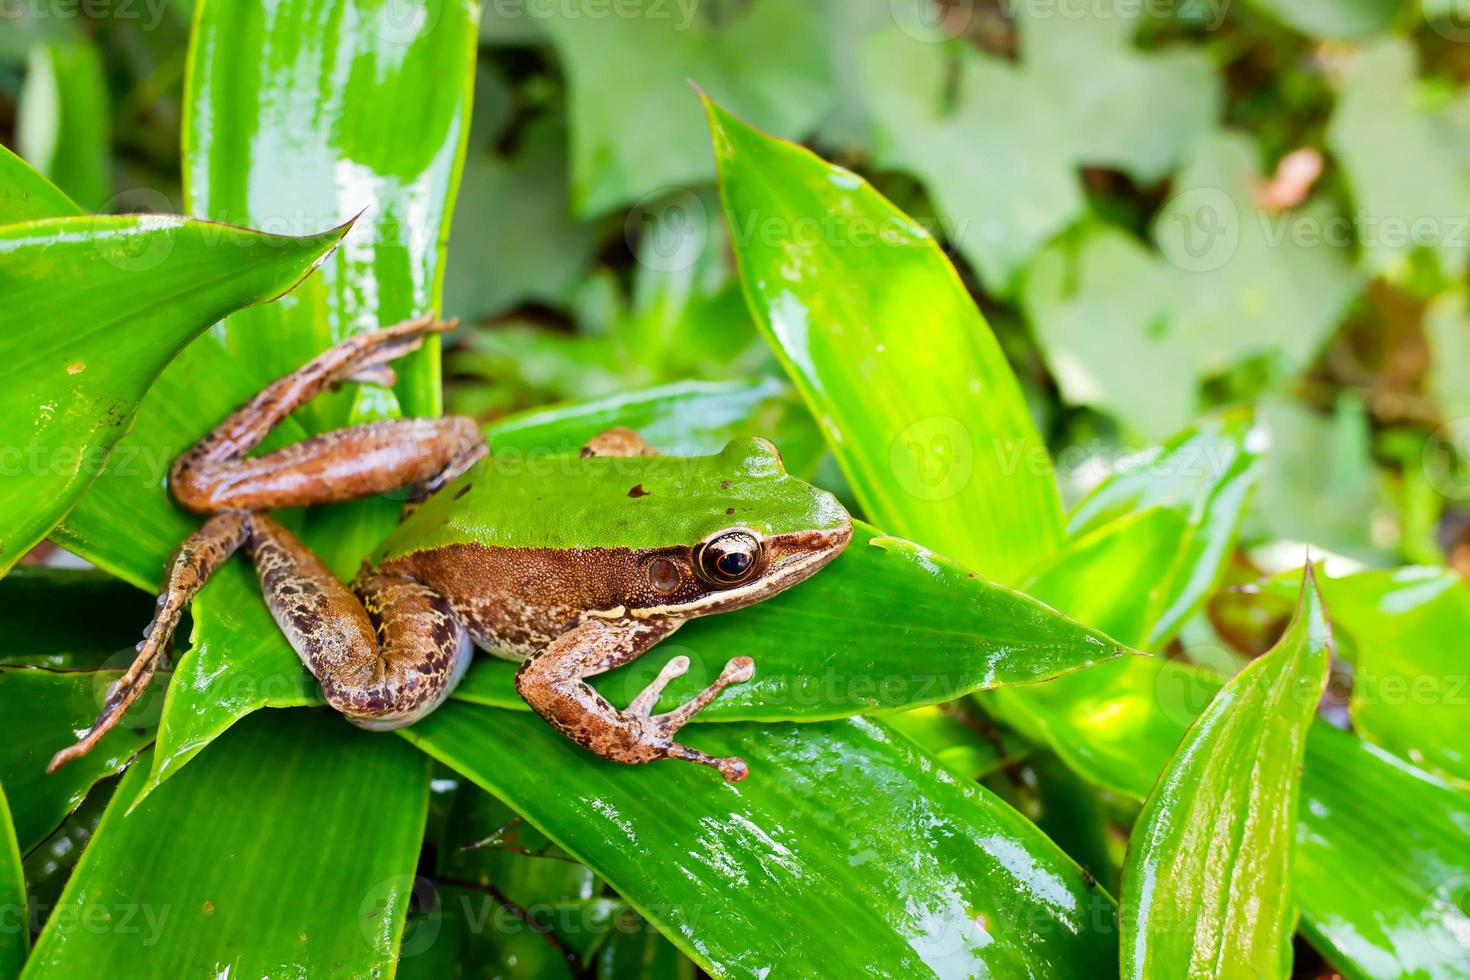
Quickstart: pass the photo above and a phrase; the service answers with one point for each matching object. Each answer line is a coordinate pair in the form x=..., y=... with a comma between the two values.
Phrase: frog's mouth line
x=808, y=552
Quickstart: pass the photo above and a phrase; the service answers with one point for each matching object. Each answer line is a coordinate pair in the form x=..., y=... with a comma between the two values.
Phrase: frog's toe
x=732, y=767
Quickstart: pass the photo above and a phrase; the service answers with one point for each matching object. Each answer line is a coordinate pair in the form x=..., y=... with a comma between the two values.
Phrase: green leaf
x=1405, y=162
x=314, y=883
x=62, y=125
x=387, y=137
x=67, y=617
x=1251, y=283
x=887, y=626
x=1383, y=860
x=925, y=438
x=43, y=711
x=997, y=170
x=25, y=195
x=1206, y=880
x=745, y=878
x=95, y=307
x=15, y=936
x=1101, y=308
x=1405, y=629
x=635, y=130
x=1206, y=475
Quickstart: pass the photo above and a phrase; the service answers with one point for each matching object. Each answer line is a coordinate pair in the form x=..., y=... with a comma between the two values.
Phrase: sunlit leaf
x=1403, y=632
x=925, y=432
x=315, y=883
x=1207, y=878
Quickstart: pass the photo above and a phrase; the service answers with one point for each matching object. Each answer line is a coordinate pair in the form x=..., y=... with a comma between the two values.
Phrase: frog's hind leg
x=196, y=560
x=554, y=683
x=377, y=457
x=385, y=656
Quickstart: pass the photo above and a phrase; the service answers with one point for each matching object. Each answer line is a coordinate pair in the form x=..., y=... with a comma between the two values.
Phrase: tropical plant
x=998, y=736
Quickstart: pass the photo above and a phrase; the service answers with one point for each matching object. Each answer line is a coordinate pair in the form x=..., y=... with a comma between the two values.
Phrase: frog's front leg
x=554, y=683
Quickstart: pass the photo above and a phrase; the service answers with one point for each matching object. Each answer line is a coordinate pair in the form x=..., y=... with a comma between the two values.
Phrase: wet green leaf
x=635, y=129
x=925, y=432
x=315, y=883
x=887, y=626
x=95, y=307
x=1406, y=630
x=15, y=937
x=25, y=195
x=765, y=876
x=1206, y=883
x=43, y=711
x=62, y=122
x=388, y=137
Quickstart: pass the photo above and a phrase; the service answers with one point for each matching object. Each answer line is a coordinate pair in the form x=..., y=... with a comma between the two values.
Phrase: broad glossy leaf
x=389, y=118
x=635, y=130
x=1404, y=631
x=67, y=617
x=25, y=195
x=94, y=309
x=1383, y=848
x=62, y=125
x=890, y=352
x=15, y=937
x=43, y=711
x=1206, y=883
x=766, y=875
x=887, y=626
x=288, y=851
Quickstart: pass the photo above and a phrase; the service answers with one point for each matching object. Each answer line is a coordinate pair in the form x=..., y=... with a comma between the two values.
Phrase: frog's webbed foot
x=553, y=682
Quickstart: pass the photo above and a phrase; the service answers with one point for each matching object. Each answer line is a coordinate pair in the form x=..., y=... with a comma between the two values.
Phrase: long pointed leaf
x=893, y=357
x=1206, y=883
x=94, y=308
x=25, y=195
x=846, y=850
x=290, y=851
x=15, y=936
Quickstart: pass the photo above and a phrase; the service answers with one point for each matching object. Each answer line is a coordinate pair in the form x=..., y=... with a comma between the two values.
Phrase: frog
x=571, y=565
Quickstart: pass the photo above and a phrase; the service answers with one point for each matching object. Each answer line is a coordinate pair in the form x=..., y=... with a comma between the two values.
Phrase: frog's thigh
x=617, y=441
x=386, y=656
x=553, y=682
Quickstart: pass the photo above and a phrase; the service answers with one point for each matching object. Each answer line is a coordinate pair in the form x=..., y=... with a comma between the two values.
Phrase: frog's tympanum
x=571, y=565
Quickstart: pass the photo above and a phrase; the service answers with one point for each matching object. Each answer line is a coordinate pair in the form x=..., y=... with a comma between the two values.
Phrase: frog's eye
x=728, y=559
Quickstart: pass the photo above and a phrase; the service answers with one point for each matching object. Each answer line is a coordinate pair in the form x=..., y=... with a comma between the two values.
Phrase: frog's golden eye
x=728, y=559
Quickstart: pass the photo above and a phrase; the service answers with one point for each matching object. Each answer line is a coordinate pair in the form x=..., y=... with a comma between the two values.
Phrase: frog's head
x=739, y=529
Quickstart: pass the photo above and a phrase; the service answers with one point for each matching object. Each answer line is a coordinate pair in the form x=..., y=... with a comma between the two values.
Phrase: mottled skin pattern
x=392, y=647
